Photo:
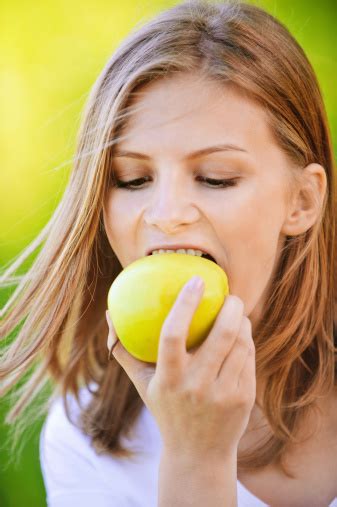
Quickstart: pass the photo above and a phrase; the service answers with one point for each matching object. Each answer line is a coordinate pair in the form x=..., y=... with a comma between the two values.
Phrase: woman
x=231, y=154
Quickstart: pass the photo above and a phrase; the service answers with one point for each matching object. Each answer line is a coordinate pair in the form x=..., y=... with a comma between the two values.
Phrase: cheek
x=254, y=218
x=251, y=269
x=123, y=204
x=251, y=233
x=114, y=208
x=121, y=215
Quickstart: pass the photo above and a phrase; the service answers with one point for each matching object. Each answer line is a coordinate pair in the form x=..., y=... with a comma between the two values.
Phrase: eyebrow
x=189, y=156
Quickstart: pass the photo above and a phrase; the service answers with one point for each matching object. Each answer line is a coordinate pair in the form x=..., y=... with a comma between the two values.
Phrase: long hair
x=57, y=311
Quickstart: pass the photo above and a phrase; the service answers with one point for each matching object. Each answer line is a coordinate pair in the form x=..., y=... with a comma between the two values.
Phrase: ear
x=307, y=200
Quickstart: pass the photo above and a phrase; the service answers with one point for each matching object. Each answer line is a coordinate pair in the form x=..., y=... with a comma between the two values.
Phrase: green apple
x=142, y=295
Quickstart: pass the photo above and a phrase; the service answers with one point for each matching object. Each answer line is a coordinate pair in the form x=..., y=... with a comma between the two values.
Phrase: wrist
x=198, y=479
x=185, y=456
x=193, y=461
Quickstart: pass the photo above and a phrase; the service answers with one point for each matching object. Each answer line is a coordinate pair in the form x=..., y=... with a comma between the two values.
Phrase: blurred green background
x=51, y=55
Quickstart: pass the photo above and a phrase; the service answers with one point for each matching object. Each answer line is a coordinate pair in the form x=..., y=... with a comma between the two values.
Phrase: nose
x=170, y=207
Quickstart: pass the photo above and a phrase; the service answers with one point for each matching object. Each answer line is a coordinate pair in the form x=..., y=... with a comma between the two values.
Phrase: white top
x=74, y=474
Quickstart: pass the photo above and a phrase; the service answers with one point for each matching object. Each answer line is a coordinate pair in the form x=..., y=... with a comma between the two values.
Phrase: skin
x=244, y=226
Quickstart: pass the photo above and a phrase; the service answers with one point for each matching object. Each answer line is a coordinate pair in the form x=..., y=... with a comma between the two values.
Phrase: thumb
x=139, y=372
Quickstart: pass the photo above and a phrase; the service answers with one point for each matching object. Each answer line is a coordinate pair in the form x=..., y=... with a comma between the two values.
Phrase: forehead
x=184, y=113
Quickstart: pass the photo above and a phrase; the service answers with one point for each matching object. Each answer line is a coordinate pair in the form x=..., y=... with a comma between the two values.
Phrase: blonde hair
x=60, y=302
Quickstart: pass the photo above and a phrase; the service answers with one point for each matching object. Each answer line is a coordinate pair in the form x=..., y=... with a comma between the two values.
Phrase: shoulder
x=65, y=448
x=57, y=424
x=69, y=463
x=73, y=471
x=61, y=434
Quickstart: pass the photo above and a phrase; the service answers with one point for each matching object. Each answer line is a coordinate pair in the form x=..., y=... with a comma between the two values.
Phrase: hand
x=202, y=398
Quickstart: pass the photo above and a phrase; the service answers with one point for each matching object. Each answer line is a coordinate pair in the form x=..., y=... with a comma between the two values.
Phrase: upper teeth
x=189, y=251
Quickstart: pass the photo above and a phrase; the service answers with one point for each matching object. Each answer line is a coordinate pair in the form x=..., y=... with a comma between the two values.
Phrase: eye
x=129, y=184
x=223, y=183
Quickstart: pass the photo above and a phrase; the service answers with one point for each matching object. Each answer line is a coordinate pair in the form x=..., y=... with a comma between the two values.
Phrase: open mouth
x=204, y=255
x=209, y=257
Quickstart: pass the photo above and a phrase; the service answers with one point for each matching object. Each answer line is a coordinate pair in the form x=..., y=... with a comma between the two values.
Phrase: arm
x=187, y=482
x=202, y=401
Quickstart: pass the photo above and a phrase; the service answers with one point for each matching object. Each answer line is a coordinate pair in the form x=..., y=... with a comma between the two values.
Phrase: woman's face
x=240, y=224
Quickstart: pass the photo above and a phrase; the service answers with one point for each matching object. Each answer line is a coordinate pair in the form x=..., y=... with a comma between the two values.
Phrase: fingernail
x=107, y=317
x=196, y=283
x=110, y=353
x=111, y=345
x=111, y=342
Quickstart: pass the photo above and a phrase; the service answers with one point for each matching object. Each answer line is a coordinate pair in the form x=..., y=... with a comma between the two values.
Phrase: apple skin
x=143, y=294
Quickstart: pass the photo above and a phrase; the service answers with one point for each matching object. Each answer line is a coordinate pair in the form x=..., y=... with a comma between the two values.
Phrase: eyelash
x=225, y=182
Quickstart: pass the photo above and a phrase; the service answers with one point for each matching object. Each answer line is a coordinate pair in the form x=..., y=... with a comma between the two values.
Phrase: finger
x=174, y=333
x=233, y=364
x=139, y=372
x=213, y=351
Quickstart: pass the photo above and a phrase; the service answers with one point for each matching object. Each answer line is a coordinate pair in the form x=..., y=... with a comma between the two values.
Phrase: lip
x=176, y=247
